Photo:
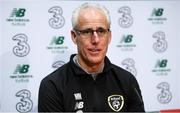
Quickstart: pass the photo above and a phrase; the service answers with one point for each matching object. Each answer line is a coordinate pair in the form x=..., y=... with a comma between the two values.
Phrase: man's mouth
x=94, y=50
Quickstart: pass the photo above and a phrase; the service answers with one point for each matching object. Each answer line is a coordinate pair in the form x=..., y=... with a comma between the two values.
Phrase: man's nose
x=95, y=38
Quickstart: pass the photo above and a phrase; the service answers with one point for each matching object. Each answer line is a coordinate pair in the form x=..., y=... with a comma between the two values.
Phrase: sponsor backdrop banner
x=35, y=40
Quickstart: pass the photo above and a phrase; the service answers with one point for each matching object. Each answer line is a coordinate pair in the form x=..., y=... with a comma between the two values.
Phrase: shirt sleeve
x=135, y=103
x=49, y=99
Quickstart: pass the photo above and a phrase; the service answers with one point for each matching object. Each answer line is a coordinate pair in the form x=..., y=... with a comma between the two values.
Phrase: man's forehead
x=92, y=16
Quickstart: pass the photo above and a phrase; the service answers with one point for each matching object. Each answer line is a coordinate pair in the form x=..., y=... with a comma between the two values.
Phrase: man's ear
x=74, y=36
x=110, y=36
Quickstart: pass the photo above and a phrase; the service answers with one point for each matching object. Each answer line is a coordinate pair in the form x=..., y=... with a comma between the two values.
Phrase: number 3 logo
x=130, y=65
x=161, y=44
x=26, y=103
x=58, y=20
x=126, y=19
x=165, y=96
x=22, y=48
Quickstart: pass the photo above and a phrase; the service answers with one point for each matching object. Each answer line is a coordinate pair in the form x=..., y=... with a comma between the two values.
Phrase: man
x=89, y=81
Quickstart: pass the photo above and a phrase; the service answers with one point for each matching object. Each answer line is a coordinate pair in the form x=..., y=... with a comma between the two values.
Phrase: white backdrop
x=34, y=43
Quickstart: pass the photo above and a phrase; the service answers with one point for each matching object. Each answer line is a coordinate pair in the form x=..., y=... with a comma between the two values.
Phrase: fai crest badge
x=116, y=102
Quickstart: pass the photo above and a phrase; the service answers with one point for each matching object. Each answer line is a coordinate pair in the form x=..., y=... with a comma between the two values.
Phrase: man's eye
x=85, y=31
x=101, y=31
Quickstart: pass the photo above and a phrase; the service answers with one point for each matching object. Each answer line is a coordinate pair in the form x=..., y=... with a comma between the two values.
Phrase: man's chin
x=95, y=60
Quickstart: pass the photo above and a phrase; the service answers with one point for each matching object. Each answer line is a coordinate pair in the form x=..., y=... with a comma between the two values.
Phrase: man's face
x=92, y=45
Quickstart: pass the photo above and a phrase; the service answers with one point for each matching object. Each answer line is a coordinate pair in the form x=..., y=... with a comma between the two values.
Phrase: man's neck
x=91, y=68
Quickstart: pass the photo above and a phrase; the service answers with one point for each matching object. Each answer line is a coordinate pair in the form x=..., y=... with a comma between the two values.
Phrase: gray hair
x=76, y=12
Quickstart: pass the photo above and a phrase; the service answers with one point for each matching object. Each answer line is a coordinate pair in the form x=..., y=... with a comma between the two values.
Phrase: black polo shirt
x=71, y=89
